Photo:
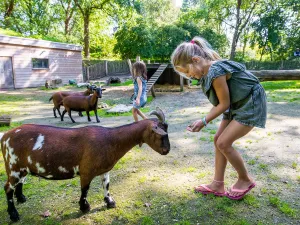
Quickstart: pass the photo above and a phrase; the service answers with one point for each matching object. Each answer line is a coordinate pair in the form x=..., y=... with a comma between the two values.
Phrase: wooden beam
x=273, y=75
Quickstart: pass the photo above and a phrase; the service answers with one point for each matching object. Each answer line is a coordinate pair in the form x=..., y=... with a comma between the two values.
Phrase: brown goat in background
x=87, y=151
x=58, y=97
x=82, y=103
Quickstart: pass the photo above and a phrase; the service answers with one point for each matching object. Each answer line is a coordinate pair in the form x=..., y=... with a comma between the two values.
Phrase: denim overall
x=143, y=99
x=248, y=104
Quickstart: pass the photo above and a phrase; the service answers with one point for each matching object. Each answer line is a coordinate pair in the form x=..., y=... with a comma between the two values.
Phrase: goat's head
x=158, y=138
x=98, y=91
x=91, y=88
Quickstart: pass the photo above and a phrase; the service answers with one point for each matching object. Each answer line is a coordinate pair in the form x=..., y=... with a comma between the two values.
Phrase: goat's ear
x=158, y=130
x=103, y=89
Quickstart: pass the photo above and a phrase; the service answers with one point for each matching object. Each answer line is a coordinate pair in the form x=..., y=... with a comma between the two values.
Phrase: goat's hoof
x=14, y=216
x=21, y=199
x=110, y=203
x=85, y=207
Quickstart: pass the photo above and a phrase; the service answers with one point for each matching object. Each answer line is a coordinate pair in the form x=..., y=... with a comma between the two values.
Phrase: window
x=40, y=63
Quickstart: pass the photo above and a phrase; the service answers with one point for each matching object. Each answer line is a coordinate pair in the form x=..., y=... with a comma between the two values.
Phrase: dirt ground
x=272, y=155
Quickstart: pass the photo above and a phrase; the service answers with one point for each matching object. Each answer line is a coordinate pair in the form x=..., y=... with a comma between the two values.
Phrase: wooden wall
x=63, y=63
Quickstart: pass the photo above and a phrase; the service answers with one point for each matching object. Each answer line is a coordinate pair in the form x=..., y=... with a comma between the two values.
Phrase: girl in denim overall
x=237, y=94
x=139, y=71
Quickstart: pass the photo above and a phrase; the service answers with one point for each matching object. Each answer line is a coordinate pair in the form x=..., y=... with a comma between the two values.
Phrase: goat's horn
x=159, y=113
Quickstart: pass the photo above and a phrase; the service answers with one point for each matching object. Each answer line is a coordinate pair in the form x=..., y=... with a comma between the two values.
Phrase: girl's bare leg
x=135, y=114
x=232, y=132
x=220, y=163
x=141, y=114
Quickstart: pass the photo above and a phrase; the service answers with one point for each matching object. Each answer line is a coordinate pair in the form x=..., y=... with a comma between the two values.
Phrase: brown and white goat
x=58, y=97
x=87, y=151
x=82, y=103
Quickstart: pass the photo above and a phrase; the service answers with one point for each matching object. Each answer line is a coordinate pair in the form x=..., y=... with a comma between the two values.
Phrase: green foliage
x=134, y=41
x=166, y=40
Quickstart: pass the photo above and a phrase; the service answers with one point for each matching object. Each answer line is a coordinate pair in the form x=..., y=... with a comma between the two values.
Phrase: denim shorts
x=143, y=101
x=251, y=111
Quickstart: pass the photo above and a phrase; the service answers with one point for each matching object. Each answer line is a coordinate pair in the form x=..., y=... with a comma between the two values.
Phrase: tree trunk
x=236, y=30
x=86, y=36
x=9, y=6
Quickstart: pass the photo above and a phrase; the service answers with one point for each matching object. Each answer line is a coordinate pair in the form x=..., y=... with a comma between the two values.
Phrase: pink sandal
x=208, y=190
x=242, y=191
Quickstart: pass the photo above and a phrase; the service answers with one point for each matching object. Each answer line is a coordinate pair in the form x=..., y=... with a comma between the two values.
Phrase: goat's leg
x=19, y=188
x=58, y=110
x=97, y=118
x=11, y=209
x=88, y=115
x=54, y=113
x=85, y=185
x=80, y=114
x=19, y=193
x=69, y=112
x=110, y=203
x=62, y=115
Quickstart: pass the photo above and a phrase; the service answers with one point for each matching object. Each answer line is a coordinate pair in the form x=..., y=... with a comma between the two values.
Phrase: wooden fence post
x=88, y=74
x=181, y=83
x=130, y=66
x=106, y=68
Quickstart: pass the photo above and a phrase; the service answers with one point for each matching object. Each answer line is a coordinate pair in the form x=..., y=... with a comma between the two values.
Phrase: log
x=5, y=120
x=273, y=75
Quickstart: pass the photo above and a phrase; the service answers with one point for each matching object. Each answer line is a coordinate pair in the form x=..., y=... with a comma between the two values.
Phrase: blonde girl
x=139, y=71
x=237, y=94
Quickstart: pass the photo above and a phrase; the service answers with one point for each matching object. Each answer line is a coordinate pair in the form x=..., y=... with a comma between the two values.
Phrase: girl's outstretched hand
x=196, y=126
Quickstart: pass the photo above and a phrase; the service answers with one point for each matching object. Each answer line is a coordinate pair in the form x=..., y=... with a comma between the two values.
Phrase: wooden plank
x=272, y=75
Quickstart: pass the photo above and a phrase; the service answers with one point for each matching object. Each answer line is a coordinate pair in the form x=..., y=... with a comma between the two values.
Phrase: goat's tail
x=50, y=98
x=1, y=146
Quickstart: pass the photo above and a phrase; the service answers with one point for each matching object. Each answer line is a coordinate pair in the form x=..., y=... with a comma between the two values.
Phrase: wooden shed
x=26, y=62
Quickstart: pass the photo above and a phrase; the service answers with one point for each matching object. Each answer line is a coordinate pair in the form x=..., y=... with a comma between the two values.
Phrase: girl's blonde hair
x=139, y=69
x=184, y=52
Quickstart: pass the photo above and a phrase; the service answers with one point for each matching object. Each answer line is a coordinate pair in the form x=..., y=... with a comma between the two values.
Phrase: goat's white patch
x=15, y=174
x=39, y=168
x=11, y=187
x=49, y=176
x=7, y=146
x=39, y=142
x=62, y=169
x=17, y=130
x=22, y=180
x=29, y=160
x=10, y=153
x=76, y=170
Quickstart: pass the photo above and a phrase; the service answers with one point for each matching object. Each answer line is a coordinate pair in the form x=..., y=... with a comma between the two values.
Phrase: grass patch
x=276, y=85
x=189, y=169
x=12, y=125
x=282, y=206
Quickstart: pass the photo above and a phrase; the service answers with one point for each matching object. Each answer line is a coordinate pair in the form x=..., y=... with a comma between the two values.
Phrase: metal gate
x=6, y=73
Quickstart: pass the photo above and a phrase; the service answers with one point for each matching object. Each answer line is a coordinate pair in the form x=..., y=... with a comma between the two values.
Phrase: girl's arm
x=222, y=91
x=140, y=85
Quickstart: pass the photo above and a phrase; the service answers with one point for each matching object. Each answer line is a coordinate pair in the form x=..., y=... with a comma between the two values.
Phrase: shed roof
x=4, y=39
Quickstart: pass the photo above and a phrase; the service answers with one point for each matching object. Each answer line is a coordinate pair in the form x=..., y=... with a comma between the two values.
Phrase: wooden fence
x=106, y=68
